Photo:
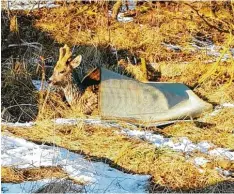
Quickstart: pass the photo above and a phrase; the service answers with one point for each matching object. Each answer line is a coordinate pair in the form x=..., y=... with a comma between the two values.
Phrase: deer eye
x=62, y=72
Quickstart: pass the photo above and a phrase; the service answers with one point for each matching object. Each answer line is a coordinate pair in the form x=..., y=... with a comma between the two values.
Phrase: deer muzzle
x=50, y=81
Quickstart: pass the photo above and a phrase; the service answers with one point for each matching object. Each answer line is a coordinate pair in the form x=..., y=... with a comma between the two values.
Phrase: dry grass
x=143, y=39
x=18, y=93
x=88, y=26
x=9, y=174
x=167, y=168
x=216, y=129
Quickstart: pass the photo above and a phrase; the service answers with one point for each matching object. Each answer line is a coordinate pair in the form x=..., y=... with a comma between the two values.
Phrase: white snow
x=200, y=161
x=218, y=108
x=172, y=47
x=28, y=4
x=216, y=111
x=67, y=121
x=224, y=172
x=17, y=124
x=32, y=186
x=210, y=48
x=186, y=146
x=228, y=104
x=222, y=152
x=183, y=145
x=99, y=177
x=74, y=121
x=122, y=18
x=204, y=146
x=25, y=187
x=23, y=154
x=207, y=46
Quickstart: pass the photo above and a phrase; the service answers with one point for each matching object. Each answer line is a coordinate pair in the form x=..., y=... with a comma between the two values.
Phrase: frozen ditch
x=97, y=176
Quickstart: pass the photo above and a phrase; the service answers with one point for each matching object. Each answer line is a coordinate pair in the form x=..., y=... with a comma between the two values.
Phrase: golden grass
x=52, y=107
x=14, y=175
x=143, y=38
x=216, y=129
x=87, y=25
x=14, y=25
x=167, y=168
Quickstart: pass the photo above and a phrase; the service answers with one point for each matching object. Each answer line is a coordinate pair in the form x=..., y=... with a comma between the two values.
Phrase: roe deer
x=65, y=77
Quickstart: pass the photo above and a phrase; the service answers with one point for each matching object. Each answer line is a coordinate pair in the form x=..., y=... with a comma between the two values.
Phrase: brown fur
x=79, y=96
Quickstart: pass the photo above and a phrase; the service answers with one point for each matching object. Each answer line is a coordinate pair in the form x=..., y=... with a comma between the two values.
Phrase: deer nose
x=50, y=81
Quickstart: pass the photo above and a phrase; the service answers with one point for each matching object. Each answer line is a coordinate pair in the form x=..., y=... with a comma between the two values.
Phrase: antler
x=64, y=54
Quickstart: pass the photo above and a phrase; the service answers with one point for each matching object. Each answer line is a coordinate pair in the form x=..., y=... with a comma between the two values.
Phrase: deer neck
x=73, y=91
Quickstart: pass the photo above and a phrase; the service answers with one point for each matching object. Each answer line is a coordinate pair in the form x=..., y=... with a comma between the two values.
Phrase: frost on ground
x=97, y=176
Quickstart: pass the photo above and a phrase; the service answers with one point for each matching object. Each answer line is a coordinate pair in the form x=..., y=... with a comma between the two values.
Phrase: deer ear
x=76, y=62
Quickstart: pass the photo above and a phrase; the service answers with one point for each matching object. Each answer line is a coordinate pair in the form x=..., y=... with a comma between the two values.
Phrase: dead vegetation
x=19, y=100
x=12, y=175
x=219, y=126
x=168, y=169
x=134, y=49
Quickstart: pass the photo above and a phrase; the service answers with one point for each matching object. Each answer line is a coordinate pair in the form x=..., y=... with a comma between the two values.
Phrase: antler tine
x=64, y=54
x=61, y=53
x=67, y=54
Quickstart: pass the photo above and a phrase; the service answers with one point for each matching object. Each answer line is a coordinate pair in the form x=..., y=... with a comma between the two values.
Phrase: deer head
x=62, y=73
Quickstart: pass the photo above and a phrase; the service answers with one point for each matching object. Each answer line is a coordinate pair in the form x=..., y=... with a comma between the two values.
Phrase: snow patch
x=225, y=173
x=122, y=18
x=183, y=145
x=28, y=4
x=97, y=176
x=229, y=105
x=210, y=48
x=222, y=152
x=17, y=124
x=204, y=146
x=172, y=47
x=199, y=45
x=44, y=186
x=25, y=187
x=200, y=161
x=64, y=121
